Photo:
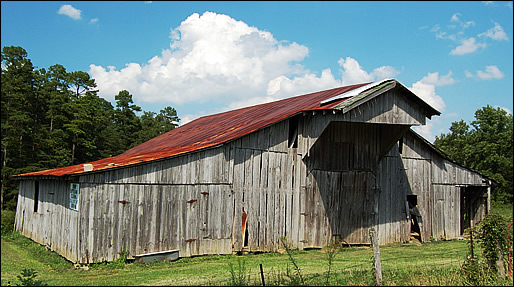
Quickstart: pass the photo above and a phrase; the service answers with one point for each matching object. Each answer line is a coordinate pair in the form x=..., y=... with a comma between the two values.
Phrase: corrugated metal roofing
x=211, y=131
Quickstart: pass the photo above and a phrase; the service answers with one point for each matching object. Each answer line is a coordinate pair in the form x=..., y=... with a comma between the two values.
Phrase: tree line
x=52, y=118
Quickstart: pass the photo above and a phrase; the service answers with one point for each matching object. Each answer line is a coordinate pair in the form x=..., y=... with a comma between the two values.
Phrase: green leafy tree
x=484, y=146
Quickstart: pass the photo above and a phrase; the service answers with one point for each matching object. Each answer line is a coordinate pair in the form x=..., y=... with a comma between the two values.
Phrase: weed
x=332, y=250
x=239, y=275
x=297, y=278
x=120, y=262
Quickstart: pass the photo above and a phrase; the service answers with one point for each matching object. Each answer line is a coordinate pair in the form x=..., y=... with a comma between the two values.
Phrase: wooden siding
x=54, y=224
x=391, y=107
x=196, y=219
x=438, y=184
x=393, y=224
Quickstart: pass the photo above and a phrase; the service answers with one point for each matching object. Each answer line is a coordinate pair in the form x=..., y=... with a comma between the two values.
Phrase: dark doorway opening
x=473, y=206
x=36, y=195
x=415, y=216
x=245, y=230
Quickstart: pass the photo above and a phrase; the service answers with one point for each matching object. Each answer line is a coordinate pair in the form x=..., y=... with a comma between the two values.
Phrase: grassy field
x=432, y=263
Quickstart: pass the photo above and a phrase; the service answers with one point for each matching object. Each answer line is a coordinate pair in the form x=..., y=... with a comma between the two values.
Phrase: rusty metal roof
x=209, y=131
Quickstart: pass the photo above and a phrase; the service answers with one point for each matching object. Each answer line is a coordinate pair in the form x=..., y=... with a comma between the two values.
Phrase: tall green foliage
x=53, y=118
x=17, y=102
x=126, y=120
x=485, y=146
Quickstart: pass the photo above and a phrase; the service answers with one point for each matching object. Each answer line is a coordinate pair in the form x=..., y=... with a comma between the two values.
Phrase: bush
x=27, y=278
x=7, y=222
x=492, y=237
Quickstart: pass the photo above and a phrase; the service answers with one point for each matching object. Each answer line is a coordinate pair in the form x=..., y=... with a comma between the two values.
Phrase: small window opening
x=400, y=145
x=36, y=195
x=293, y=133
x=74, y=196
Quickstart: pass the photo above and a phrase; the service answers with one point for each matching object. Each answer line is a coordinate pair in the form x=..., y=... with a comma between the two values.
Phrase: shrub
x=492, y=237
x=27, y=278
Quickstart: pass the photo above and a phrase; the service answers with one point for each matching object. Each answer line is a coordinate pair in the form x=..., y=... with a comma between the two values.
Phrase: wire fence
x=400, y=266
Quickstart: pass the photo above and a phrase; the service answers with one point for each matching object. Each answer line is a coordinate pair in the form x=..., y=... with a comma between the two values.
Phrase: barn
x=318, y=167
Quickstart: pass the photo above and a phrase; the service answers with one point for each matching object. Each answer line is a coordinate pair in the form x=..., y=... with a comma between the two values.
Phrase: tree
x=54, y=88
x=485, y=146
x=17, y=93
x=153, y=124
x=127, y=124
x=80, y=106
x=52, y=118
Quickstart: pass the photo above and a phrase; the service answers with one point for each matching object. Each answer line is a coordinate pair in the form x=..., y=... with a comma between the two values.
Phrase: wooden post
x=262, y=275
x=488, y=196
x=376, y=254
x=471, y=243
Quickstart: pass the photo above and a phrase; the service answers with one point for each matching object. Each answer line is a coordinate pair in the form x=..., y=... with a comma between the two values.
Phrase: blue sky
x=207, y=57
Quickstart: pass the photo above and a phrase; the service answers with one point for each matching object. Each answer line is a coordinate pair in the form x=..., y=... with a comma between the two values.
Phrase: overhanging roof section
x=214, y=130
x=367, y=92
x=355, y=92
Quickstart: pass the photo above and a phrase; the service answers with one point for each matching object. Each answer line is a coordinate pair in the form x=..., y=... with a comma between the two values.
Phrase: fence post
x=509, y=252
x=471, y=243
x=376, y=254
x=262, y=275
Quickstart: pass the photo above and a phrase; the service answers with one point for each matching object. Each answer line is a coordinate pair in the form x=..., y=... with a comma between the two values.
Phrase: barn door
x=357, y=207
x=339, y=205
x=446, y=212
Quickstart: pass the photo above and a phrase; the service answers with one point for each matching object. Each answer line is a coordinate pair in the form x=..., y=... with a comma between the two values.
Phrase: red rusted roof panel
x=209, y=131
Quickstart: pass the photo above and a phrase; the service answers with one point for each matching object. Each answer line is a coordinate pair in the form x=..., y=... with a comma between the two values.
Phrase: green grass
x=432, y=263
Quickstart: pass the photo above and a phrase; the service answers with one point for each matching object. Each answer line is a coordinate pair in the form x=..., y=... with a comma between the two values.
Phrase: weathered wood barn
x=321, y=166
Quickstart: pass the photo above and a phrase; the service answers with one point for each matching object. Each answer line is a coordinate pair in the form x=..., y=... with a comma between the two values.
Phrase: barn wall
x=393, y=222
x=439, y=185
x=267, y=182
x=54, y=224
x=184, y=203
x=196, y=219
x=390, y=108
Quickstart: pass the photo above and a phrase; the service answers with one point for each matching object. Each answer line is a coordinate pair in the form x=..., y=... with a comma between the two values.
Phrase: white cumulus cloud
x=436, y=80
x=283, y=87
x=490, y=73
x=427, y=93
x=426, y=131
x=212, y=57
x=467, y=46
x=220, y=63
x=353, y=73
x=70, y=11
x=425, y=89
x=495, y=33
